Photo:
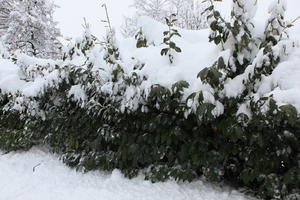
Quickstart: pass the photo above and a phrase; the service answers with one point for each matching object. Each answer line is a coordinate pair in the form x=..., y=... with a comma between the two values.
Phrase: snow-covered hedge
x=110, y=105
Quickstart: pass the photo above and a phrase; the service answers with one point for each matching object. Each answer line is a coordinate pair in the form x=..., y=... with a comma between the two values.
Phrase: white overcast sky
x=71, y=13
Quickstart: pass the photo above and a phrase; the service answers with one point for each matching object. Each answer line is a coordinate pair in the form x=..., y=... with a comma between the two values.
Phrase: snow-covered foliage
x=227, y=108
x=189, y=14
x=28, y=26
x=171, y=47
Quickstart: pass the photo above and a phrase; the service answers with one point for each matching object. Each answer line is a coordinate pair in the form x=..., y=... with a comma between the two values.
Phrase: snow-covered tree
x=5, y=8
x=157, y=9
x=28, y=26
x=130, y=27
x=188, y=12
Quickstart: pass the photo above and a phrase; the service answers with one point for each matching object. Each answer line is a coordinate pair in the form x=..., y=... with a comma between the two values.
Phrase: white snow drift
x=38, y=175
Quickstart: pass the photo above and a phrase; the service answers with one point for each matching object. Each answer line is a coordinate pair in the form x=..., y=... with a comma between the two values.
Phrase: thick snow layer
x=37, y=175
x=9, y=76
x=12, y=80
x=197, y=53
x=286, y=81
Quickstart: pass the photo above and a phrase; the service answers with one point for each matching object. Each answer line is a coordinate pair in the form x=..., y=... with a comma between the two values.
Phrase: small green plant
x=112, y=53
x=168, y=35
x=141, y=40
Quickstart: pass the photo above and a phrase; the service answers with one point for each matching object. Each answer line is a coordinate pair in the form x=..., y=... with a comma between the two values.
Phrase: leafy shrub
x=141, y=39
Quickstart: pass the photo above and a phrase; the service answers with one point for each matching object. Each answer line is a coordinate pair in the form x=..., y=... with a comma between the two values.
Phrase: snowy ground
x=37, y=175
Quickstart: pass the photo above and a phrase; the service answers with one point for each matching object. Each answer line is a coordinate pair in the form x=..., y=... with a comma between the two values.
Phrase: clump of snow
x=286, y=82
x=9, y=77
x=38, y=175
x=77, y=93
x=245, y=9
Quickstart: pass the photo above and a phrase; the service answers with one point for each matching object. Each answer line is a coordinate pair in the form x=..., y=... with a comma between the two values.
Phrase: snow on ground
x=38, y=175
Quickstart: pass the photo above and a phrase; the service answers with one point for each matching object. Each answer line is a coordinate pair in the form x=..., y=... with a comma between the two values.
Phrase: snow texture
x=9, y=79
x=197, y=53
x=38, y=175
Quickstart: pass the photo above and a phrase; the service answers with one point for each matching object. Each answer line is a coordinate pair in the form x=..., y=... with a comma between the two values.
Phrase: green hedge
x=162, y=143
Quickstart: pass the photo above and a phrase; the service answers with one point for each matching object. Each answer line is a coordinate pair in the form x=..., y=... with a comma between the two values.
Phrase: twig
x=297, y=18
x=107, y=16
x=6, y=152
x=33, y=169
x=292, y=23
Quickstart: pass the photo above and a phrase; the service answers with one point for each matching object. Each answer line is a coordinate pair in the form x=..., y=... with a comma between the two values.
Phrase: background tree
x=28, y=26
x=188, y=12
x=5, y=9
x=156, y=9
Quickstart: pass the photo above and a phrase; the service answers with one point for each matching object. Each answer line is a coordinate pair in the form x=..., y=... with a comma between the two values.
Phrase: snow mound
x=9, y=77
x=37, y=175
x=197, y=53
x=286, y=81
